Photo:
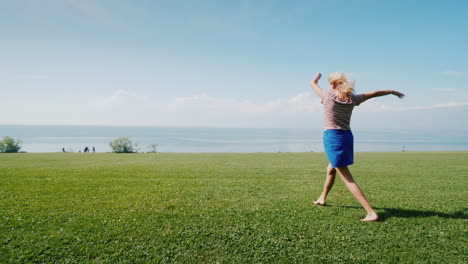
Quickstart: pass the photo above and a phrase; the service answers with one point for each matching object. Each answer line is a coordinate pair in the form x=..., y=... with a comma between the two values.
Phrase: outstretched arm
x=314, y=84
x=382, y=93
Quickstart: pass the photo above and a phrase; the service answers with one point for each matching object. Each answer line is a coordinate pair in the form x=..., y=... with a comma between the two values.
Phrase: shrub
x=123, y=145
x=154, y=148
x=10, y=145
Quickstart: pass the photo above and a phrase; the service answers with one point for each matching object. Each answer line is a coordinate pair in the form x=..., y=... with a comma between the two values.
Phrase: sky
x=245, y=63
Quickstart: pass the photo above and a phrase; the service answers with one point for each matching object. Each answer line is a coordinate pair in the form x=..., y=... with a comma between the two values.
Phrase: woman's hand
x=396, y=93
x=317, y=77
x=314, y=84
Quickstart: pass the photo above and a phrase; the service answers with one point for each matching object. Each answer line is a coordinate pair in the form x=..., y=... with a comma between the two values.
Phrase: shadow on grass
x=386, y=213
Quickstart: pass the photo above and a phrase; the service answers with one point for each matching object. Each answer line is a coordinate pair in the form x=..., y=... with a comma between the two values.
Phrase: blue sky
x=230, y=63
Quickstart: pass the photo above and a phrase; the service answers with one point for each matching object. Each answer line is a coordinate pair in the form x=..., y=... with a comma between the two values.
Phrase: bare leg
x=331, y=173
x=357, y=193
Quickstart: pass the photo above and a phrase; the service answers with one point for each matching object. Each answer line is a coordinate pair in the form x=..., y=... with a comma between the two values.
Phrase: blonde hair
x=344, y=88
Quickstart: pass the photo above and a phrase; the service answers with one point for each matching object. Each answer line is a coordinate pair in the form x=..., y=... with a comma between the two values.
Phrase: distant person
x=94, y=149
x=63, y=149
x=338, y=139
x=86, y=149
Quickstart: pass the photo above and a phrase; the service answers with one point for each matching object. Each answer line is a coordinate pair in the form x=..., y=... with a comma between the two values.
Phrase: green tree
x=154, y=148
x=123, y=145
x=10, y=145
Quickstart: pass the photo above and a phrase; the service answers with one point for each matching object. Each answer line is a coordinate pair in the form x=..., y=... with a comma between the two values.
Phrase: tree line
x=118, y=145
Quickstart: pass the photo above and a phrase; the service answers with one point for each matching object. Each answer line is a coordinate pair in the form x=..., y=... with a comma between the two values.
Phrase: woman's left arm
x=382, y=93
x=314, y=84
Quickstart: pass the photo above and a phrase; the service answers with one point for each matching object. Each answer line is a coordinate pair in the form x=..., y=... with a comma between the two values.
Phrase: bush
x=154, y=148
x=10, y=145
x=123, y=145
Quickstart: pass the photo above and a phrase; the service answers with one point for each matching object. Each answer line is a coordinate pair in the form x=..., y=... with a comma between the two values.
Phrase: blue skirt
x=339, y=147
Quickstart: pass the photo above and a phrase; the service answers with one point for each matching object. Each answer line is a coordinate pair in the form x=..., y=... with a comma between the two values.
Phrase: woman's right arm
x=382, y=93
x=314, y=84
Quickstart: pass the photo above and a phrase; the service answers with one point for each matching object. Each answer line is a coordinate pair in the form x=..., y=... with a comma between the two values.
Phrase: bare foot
x=320, y=202
x=370, y=217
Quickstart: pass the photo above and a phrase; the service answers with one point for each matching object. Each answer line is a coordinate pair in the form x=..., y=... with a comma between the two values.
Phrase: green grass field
x=230, y=208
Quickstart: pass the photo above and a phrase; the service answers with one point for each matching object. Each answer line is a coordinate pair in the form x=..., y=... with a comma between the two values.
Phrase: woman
x=338, y=139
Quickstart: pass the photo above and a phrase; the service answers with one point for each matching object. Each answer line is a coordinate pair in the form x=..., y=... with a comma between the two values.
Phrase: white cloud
x=301, y=103
x=204, y=110
x=127, y=108
x=372, y=106
x=121, y=96
x=454, y=73
x=446, y=105
x=130, y=109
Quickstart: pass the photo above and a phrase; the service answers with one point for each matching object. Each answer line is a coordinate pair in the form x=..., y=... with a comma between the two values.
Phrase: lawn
x=230, y=208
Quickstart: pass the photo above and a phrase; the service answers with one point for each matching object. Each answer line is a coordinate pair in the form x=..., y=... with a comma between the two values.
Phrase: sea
x=224, y=140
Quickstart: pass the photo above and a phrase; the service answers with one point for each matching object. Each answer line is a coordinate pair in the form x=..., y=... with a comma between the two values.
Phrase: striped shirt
x=337, y=113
